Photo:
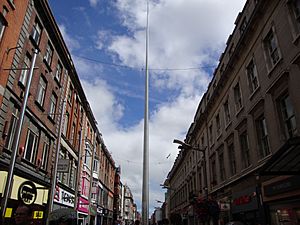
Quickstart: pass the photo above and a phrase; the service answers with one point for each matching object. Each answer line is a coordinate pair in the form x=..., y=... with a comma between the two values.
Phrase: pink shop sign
x=83, y=205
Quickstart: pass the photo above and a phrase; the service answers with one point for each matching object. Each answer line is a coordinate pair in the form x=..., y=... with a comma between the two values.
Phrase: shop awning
x=286, y=161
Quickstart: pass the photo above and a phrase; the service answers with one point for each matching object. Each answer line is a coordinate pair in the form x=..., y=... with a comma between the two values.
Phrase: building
x=61, y=159
x=246, y=128
x=129, y=206
x=32, y=50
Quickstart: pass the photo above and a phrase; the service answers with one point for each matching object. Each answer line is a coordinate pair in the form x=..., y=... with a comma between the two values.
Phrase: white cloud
x=94, y=3
x=183, y=33
x=71, y=42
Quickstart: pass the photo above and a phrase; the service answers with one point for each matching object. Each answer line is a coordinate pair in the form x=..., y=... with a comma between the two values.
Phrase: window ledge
x=57, y=81
x=239, y=111
x=12, y=4
x=39, y=106
x=228, y=124
x=296, y=39
x=270, y=70
x=52, y=120
x=254, y=93
x=47, y=65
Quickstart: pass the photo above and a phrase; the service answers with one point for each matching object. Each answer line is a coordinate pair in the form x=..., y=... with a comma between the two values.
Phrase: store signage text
x=64, y=197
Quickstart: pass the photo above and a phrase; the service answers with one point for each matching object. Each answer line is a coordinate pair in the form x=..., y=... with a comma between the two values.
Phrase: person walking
x=23, y=215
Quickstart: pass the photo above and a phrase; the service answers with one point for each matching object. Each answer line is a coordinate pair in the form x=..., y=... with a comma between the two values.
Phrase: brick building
x=247, y=125
x=59, y=128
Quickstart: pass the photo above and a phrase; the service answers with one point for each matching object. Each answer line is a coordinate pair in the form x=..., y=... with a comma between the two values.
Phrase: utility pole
x=16, y=141
x=54, y=174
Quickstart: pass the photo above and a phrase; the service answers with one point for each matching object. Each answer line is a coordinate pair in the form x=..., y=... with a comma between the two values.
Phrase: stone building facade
x=247, y=125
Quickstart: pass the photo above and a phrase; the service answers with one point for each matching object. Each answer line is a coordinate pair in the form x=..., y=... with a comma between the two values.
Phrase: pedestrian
x=63, y=216
x=23, y=215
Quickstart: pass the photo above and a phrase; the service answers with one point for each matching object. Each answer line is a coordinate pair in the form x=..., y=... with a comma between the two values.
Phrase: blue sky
x=107, y=41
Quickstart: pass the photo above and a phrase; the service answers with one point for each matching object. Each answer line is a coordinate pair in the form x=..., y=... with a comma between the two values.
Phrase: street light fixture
x=183, y=145
x=186, y=146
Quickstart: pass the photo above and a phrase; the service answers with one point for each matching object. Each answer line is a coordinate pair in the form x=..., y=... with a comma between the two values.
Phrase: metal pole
x=78, y=172
x=145, y=192
x=16, y=141
x=54, y=175
x=91, y=179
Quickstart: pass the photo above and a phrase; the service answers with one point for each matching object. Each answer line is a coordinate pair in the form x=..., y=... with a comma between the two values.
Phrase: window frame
x=271, y=49
x=238, y=99
x=45, y=154
x=33, y=151
x=25, y=70
x=288, y=120
x=252, y=75
x=262, y=136
x=41, y=91
x=36, y=32
x=53, y=106
x=49, y=54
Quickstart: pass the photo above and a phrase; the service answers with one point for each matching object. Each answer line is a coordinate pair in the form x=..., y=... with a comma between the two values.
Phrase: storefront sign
x=244, y=201
x=83, y=205
x=27, y=192
x=63, y=165
x=282, y=186
x=64, y=197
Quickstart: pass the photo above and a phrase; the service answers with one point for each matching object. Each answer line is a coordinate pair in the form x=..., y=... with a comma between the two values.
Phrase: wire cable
x=141, y=68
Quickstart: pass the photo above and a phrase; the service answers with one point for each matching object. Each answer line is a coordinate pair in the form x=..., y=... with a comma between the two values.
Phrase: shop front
x=245, y=206
x=281, y=197
x=83, y=211
x=63, y=198
x=25, y=191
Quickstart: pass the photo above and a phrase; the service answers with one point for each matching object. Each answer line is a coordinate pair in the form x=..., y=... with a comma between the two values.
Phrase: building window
x=237, y=97
x=95, y=166
x=87, y=158
x=72, y=179
x=210, y=135
x=227, y=112
x=245, y=151
x=294, y=8
x=58, y=71
x=41, y=91
x=31, y=146
x=45, y=154
x=3, y=22
x=213, y=172
x=262, y=135
x=243, y=25
x=48, y=54
x=272, y=49
x=218, y=124
x=36, y=32
x=25, y=70
x=12, y=129
x=66, y=123
x=252, y=76
x=221, y=165
x=53, y=103
x=232, y=161
x=70, y=93
x=72, y=138
x=288, y=116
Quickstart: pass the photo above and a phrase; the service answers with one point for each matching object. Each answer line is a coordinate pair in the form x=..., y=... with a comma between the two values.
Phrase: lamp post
x=186, y=146
x=10, y=172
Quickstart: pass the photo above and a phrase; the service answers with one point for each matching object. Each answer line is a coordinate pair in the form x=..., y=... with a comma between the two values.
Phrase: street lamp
x=186, y=146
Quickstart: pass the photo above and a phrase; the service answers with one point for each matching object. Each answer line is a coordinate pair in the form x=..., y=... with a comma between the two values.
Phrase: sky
x=106, y=39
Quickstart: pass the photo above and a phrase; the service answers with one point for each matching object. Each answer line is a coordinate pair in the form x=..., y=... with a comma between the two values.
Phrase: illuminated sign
x=27, y=192
x=64, y=197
